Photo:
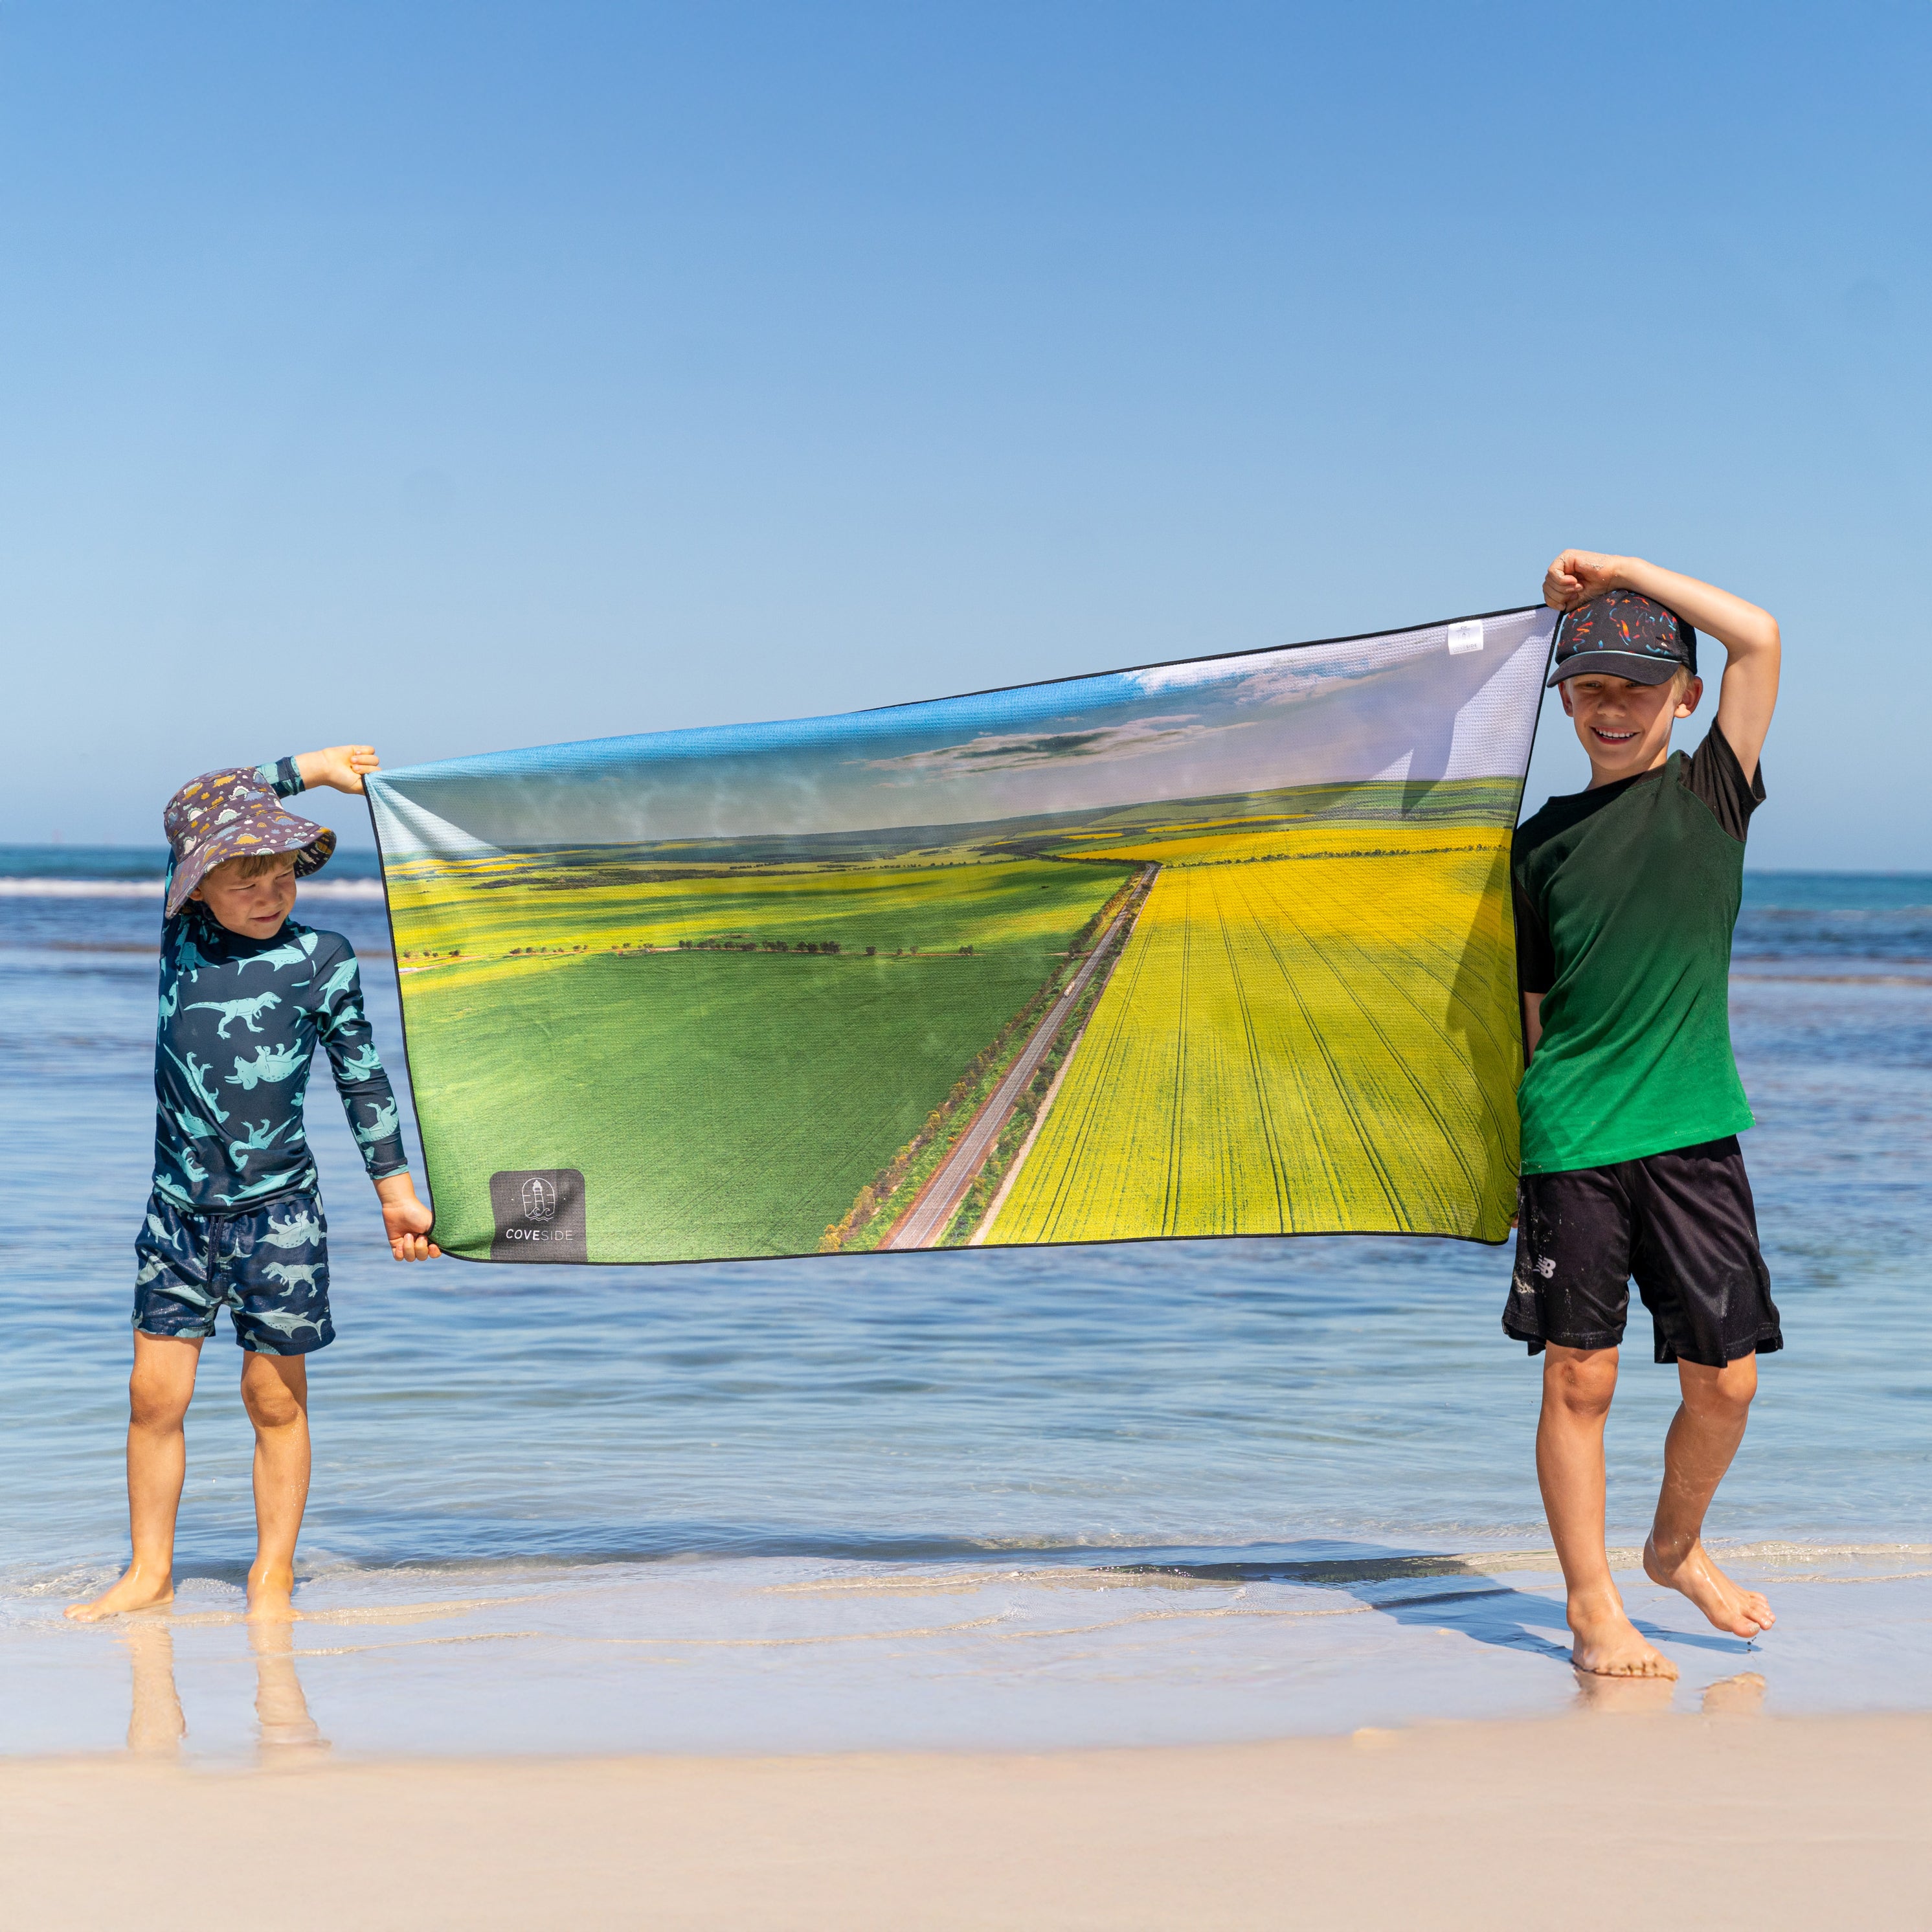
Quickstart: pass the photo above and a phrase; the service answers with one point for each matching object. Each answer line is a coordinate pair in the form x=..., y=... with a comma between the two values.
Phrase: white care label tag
x=1464, y=638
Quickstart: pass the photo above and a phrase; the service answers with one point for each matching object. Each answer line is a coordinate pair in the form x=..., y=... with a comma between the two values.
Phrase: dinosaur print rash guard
x=240, y=1020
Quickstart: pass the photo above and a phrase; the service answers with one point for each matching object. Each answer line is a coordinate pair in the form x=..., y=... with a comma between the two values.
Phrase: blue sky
x=462, y=377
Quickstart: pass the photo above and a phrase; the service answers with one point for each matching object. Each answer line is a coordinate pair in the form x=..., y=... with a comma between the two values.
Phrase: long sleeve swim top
x=240, y=1020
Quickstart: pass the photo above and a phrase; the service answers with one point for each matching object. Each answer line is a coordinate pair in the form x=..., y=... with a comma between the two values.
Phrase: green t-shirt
x=1625, y=899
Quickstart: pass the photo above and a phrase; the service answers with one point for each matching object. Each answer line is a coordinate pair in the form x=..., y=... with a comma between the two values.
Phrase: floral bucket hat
x=224, y=815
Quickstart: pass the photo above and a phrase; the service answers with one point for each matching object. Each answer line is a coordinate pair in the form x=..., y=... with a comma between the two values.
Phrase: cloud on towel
x=1028, y=750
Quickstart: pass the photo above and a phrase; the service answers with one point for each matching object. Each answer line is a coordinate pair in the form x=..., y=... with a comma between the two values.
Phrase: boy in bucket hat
x=235, y=1219
x=1626, y=894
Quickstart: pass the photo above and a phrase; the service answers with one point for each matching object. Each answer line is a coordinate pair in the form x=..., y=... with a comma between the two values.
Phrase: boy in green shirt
x=1626, y=895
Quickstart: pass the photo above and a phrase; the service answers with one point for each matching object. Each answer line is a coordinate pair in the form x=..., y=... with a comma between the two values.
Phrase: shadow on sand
x=1416, y=1587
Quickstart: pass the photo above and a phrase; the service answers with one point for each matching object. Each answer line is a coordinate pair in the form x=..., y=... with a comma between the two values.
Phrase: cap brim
x=1638, y=666
x=312, y=845
x=315, y=854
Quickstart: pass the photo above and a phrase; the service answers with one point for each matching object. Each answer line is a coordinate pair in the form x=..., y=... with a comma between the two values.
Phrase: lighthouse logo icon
x=539, y=1199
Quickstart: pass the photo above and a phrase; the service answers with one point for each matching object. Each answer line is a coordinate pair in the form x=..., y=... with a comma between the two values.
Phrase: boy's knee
x=1719, y=1393
x=270, y=1401
x=157, y=1400
x=1581, y=1381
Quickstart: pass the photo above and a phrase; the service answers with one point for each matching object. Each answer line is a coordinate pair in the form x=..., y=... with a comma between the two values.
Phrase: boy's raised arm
x=1748, y=694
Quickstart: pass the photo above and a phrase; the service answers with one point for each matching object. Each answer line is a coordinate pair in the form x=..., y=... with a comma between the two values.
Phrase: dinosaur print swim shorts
x=268, y=1267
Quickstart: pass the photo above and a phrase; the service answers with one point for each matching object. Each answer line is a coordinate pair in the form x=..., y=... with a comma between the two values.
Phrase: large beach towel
x=1216, y=947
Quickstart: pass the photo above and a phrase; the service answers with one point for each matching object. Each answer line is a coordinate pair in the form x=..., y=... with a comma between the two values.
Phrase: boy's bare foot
x=1743, y=1613
x=137, y=1590
x=1606, y=1644
x=268, y=1599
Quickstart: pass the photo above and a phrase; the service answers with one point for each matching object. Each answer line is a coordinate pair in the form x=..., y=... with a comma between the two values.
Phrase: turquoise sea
x=1145, y=1493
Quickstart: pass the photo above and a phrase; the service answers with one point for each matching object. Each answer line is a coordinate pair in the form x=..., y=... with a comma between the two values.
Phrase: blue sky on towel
x=1403, y=707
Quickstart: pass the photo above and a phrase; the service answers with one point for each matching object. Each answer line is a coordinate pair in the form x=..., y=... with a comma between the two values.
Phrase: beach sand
x=1729, y=1818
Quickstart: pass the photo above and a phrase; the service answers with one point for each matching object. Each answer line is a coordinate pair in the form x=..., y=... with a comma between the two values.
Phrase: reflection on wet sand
x=1623, y=1696
x=155, y=1725
x=1739, y=1696
x=286, y=1734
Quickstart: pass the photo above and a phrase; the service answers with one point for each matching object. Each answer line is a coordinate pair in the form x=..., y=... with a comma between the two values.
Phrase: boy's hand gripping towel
x=1218, y=947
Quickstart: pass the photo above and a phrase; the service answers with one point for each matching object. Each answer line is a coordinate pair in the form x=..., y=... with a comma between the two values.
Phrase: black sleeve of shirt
x=1535, y=958
x=1717, y=778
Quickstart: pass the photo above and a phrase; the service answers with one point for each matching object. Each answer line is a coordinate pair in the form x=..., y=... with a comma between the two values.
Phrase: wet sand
x=1729, y=1818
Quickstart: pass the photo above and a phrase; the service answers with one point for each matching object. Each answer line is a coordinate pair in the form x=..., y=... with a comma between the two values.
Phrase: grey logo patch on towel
x=539, y=1213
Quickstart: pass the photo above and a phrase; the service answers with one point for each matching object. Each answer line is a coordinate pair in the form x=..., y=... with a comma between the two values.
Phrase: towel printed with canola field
x=1221, y=947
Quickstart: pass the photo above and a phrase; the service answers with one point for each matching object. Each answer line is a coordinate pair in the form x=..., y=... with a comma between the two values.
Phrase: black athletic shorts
x=1682, y=1223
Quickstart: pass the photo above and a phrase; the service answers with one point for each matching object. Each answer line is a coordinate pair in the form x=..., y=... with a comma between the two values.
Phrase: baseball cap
x=1622, y=634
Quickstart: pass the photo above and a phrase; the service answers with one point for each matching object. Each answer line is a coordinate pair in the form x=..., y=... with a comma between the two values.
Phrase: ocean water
x=1109, y=1495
